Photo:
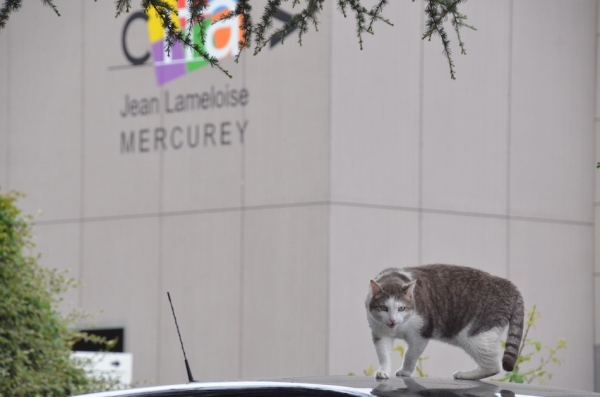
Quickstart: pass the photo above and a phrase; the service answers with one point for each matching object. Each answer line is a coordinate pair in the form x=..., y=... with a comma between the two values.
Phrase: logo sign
x=221, y=39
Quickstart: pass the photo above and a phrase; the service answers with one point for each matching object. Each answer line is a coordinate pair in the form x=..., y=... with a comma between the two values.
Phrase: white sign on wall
x=117, y=366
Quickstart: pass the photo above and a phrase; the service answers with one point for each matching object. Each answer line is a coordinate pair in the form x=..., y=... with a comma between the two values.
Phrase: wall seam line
x=8, y=115
x=594, y=204
x=316, y=204
x=509, y=134
x=329, y=220
x=82, y=162
x=421, y=132
x=159, y=264
x=242, y=238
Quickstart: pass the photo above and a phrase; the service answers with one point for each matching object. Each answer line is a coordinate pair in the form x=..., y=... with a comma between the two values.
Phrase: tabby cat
x=464, y=307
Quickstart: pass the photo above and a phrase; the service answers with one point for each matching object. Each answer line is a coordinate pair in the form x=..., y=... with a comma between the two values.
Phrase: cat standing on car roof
x=464, y=307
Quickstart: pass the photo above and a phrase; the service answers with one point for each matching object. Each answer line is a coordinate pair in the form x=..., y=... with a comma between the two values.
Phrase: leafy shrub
x=35, y=339
x=531, y=351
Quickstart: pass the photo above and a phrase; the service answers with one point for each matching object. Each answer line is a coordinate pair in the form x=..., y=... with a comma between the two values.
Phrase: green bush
x=35, y=339
x=531, y=351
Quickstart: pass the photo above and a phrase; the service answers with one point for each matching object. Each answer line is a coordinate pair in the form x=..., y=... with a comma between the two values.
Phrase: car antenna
x=187, y=366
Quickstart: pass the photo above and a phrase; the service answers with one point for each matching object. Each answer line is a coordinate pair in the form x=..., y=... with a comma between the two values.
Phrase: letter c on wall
x=134, y=61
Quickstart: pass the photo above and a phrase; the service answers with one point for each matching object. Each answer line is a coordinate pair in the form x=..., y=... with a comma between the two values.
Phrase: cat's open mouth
x=392, y=325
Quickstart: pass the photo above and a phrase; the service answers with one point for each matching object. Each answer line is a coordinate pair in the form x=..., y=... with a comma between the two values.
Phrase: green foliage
x=369, y=371
x=437, y=12
x=531, y=351
x=35, y=340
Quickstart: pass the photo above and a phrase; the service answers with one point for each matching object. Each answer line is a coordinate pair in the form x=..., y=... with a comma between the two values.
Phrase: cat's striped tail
x=515, y=333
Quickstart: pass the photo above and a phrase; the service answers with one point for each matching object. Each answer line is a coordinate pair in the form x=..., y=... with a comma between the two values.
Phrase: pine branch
x=244, y=9
x=437, y=12
x=342, y=4
x=375, y=14
x=8, y=7
x=196, y=12
x=299, y=21
x=457, y=23
x=436, y=21
x=49, y=3
x=435, y=25
x=123, y=6
x=266, y=22
x=359, y=15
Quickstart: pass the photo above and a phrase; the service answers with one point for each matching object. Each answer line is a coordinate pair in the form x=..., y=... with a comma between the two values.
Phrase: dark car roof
x=438, y=387
x=353, y=386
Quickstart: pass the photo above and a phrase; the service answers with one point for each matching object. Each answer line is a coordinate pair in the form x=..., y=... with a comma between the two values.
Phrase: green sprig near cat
x=461, y=306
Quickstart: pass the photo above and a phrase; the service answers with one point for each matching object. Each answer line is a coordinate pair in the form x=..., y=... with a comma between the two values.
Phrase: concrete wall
x=492, y=170
x=350, y=161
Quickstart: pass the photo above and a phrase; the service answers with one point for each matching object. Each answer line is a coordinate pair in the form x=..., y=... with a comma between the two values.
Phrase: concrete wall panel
x=552, y=266
x=596, y=240
x=285, y=292
x=121, y=259
x=4, y=109
x=45, y=120
x=364, y=241
x=465, y=121
x=465, y=240
x=597, y=172
x=287, y=146
x=596, y=312
x=552, y=110
x=118, y=182
x=597, y=79
x=201, y=270
x=208, y=175
x=375, y=109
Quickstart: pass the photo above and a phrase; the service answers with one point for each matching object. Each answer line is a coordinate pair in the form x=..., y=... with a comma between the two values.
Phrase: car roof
x=214, y=389
x=438, y=387
x=356, y=386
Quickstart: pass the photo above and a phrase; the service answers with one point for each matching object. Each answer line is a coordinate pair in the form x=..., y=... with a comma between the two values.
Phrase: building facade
x=264, y=203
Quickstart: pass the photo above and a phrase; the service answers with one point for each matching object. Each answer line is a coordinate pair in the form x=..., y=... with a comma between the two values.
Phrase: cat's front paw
x=402, y=372
x=382, y=374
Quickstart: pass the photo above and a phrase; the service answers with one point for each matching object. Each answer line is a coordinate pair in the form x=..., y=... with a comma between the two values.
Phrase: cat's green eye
x=401, y=309
x=383, y=308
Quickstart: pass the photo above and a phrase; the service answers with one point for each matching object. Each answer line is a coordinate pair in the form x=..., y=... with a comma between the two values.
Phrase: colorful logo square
x=221, y=39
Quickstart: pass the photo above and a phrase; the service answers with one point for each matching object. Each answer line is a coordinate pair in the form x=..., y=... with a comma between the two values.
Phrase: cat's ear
x=375, y=288
x=409, y=289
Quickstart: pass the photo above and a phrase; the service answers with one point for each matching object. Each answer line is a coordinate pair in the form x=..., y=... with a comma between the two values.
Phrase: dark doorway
x=108, y=333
